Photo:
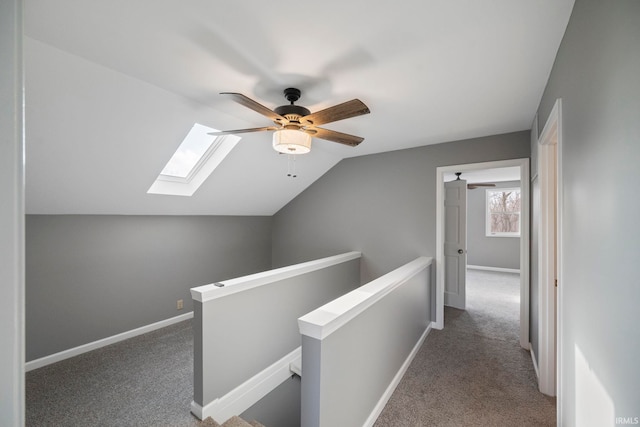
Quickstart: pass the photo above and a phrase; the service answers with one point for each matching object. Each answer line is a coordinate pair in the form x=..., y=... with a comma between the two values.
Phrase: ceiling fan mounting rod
x=291, y=112
x=292, y=94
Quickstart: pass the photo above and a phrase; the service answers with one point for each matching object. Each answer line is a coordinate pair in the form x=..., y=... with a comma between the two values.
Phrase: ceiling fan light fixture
x=291, y=141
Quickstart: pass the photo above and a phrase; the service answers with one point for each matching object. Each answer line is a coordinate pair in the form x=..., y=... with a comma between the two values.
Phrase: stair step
x=236, y=421
x=208, y=422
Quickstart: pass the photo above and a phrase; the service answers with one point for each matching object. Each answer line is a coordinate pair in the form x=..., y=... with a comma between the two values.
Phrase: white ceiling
x=112, y=87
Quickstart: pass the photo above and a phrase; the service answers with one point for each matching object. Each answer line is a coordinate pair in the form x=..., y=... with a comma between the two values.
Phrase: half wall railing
x=246, y=334
x=356, y=348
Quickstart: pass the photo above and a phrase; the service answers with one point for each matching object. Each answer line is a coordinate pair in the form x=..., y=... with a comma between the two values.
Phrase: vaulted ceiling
x=113, y=86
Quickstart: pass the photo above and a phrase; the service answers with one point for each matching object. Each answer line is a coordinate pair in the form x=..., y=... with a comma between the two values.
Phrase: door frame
x=523, y=164
x=12, y=215
x=549, y=251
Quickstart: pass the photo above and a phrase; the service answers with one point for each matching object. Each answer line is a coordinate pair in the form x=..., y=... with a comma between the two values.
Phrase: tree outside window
x=503, y=212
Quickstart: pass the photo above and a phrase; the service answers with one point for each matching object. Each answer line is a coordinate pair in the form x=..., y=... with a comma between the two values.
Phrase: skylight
x=194, y=160
x=189, y=152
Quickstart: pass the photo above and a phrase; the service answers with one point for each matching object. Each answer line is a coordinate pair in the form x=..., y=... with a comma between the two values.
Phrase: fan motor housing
x=297, y=110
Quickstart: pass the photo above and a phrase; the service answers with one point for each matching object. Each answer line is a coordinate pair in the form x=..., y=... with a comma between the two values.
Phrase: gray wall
x=265, y=327
x=280, y=408
x=90, y=276
x=596, y=73
x=382, y=204
x=502, y=252
x=345, y=374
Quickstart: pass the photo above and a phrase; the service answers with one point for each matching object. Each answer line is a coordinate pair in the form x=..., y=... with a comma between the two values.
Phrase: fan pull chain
x=291, y=166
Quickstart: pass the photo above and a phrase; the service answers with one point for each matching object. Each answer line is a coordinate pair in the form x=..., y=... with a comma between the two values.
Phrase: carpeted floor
x=473, y=372
x=143, y=381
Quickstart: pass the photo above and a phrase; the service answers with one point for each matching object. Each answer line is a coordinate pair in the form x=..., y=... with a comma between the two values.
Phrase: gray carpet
x=473, y=373
x=143, y=381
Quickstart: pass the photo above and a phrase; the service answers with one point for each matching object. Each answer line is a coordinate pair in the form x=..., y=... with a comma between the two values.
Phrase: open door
x=455, y=243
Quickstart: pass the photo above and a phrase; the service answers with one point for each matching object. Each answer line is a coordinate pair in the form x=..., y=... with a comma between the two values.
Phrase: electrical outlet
x=180, y=304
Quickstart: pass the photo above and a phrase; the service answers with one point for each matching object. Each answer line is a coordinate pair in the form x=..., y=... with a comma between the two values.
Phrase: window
x=194, y=160
x=189, y=153
x=503, y=212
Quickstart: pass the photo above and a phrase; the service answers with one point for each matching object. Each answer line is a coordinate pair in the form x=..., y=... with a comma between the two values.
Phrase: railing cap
x=325, y=320
x=215, y=290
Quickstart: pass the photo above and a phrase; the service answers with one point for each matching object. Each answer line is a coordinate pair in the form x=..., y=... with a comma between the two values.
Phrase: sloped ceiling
x=112, y=88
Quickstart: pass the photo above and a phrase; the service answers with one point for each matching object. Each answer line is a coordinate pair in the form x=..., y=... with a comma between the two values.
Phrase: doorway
x=548, y=262
x=523, y=166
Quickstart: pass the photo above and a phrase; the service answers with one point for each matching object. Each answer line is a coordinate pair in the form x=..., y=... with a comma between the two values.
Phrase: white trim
x=524, y=238
x=377, y=410
x=327, y=319
x=559, y=248
x=250, y=392
x=549, y=149
x=498, y=269
x=212, y=291
x=296, y=367
x=439, y=324
x=65, y=354
x=552, y=126
x=535, y=364
x=12, y=215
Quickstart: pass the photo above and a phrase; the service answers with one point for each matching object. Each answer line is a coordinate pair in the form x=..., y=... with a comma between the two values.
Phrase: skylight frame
x=218, y=140
x=219, y=148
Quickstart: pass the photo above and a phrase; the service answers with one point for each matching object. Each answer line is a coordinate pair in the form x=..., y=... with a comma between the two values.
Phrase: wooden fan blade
x=332, y=135
x=255, y=106
x=479, y=184
x=348, y=109
x=232, y=132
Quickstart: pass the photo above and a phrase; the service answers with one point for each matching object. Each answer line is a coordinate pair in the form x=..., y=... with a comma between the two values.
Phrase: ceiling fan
x=295, y=124
x=476, y=184
x=480, y=184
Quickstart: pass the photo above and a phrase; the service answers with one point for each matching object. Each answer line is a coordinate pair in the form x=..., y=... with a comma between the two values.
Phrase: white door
x=455, y=242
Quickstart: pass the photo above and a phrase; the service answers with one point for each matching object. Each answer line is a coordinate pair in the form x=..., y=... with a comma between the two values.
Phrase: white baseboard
x=65, y=354
x=535, y=364
x=250, y=392
x=377, y=410
x=498, y=269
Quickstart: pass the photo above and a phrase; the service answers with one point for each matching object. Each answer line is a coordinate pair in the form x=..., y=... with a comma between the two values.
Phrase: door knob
x=460, y=251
